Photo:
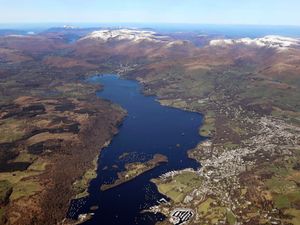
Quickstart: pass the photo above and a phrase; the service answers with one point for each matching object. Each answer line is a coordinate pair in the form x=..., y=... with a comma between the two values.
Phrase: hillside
x=246, y=88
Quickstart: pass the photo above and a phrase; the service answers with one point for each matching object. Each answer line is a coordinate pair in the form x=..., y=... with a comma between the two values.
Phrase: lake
x=148, y=129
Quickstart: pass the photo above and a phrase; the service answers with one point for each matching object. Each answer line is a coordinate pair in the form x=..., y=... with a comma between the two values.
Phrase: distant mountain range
x=247, y=88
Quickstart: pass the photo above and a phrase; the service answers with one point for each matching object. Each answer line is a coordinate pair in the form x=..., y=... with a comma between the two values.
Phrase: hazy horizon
x=222, y=12
x=218, y=29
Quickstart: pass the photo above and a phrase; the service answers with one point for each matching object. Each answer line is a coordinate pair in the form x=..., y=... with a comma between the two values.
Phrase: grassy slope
x=73, y=120
x=212, y=81
x=234, y=86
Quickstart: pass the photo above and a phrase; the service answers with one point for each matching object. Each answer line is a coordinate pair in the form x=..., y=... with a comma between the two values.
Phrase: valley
x=247, y=90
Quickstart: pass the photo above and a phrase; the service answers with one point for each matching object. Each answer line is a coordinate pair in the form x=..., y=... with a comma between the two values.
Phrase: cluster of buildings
x=222, y=167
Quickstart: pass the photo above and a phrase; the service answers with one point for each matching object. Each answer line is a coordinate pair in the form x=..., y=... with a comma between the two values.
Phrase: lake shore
x=132, y=170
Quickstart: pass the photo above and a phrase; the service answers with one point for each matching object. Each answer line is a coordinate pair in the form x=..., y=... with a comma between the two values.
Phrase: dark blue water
x=148, y=129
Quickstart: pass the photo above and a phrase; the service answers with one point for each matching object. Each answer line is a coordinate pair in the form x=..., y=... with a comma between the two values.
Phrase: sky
x=254, y=12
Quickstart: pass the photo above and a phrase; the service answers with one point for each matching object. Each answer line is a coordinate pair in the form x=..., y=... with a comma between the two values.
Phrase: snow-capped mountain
x=124, y=34
x=272, y=41
x=69, y=27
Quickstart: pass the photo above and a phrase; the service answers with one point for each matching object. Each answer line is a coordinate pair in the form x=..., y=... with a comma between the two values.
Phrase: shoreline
x=229, y=168
x=53, y=122
x=157, y=160
x=139, y=167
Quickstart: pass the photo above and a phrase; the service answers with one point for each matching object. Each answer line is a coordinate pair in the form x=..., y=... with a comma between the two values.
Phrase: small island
x=132, y=170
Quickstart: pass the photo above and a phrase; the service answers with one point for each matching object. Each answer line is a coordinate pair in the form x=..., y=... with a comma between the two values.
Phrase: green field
x=208, y=127
x=5, y=189
x=80, y=186
x=11, y=130
x=179, y=186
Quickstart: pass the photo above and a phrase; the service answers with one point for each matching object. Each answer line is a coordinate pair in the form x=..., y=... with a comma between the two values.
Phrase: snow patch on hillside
x=271, y=41
x=124, y=34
